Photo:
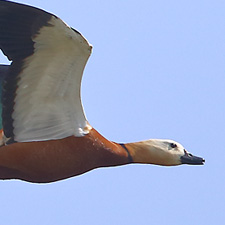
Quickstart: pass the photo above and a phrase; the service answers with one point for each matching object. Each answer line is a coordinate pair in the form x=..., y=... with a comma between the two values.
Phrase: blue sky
x=157, y=71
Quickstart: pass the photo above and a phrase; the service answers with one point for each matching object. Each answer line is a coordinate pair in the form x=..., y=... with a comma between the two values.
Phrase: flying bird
x=45, y=135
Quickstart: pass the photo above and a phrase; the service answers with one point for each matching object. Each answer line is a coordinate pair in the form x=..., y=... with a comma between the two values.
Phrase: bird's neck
x=107, y=153
x=110, y=153
x=148, y=153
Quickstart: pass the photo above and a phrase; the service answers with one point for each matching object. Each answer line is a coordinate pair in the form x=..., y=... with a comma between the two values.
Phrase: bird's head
x=162, y=152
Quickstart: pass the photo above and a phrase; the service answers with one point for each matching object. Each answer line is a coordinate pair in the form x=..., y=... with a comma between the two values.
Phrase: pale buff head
x=162, y=152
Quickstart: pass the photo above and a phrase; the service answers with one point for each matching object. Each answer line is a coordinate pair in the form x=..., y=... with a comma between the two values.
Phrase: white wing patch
x=47, y=104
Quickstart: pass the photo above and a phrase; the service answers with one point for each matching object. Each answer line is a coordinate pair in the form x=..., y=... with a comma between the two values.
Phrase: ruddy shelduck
x=46, y=136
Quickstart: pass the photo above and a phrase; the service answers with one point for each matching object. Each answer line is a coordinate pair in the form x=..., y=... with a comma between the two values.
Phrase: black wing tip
x=18, y=24
x=17, y=5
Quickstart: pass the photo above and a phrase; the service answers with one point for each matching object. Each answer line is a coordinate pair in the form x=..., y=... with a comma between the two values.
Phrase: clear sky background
x=157, y=71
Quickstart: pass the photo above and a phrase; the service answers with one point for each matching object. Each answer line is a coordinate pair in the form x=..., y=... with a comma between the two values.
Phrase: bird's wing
x=3, y=72
x=41, y=92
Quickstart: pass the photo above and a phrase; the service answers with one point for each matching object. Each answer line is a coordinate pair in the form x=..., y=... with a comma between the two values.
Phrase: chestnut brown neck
x=107, y=153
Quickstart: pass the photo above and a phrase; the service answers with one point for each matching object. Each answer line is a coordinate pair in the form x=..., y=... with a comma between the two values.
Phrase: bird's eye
x=173, y=145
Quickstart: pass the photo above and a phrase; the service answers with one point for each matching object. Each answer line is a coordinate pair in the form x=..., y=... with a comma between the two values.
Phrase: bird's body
x=46, y=136
x=47, y=161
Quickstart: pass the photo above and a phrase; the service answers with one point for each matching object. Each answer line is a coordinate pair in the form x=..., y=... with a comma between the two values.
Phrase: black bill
x=188, y=158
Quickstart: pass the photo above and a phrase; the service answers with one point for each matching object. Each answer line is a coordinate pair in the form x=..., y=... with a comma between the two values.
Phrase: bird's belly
x=46, y=161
